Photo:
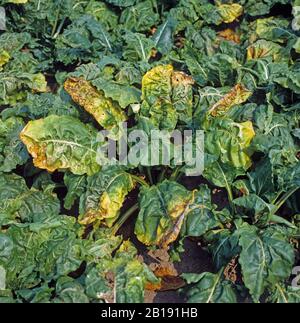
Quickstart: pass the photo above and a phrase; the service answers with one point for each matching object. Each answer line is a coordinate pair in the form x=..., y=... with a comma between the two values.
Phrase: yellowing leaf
x=105, y=195
x=62, y=142
x=263, y=48
x=157, y=83
x=230, y=12
x=4, y=58
x=237, y=95
x=106, y=111
x=168, y=97
x=229, y=141
x=247, y=133
x=17, y=1
x=182, y=95
x=163, y=209
x=230, y=34
x=39, y=83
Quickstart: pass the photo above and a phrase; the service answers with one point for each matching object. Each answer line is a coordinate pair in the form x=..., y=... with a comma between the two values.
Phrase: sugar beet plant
x=71, y=68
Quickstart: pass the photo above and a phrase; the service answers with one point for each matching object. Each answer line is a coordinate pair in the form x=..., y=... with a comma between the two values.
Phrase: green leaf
x=122, y=279
x=209, y=288
x=253, y=202
x=41, y=294
x=40, y=106
x=12, y=150
x=202, y=216
x=121, y=3
x=163, y=209
x=261, y=179
x=51, y=250
x=285, y=294
x=14, y=42
x=76, y=186
x=221, y=175
x=18, y=203
x=123, y=94
x=264, y=28
x=254, y=8
x=84, y=37
x=140, y=17
x=288, y=177
x=62, y=143
x=14, y=87
x=266, y=258
x=163, y=38
x=102, y=13
x=69, y=290
x=216, y=70
x=138, y=47
x=261, y=211
x=184, y=13
x=224, y=246
x=2, y=278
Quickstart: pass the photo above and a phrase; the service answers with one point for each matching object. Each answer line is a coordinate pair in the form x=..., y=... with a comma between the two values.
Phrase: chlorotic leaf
x=238, y=94
x=62, y=143
x=163, y=209
x=106, y=112
x=230, y=12
x=105, y=194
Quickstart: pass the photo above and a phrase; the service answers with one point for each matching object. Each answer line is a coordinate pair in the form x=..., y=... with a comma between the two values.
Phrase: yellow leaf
x=230, y=12
x=230, y=35
x=106, y=111
x=4, y=58
x=237, y=95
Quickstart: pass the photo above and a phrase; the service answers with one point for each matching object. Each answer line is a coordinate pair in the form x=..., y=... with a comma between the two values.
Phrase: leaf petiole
x=140, y=180
x=124, y=218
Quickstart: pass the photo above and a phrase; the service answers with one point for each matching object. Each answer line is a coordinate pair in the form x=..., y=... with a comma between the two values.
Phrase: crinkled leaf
x=138, y=47
x=106, y=112
x=122, y=279
x=237, y=95
x=18, y=203
x=105, y=194
x=12, y=150
x=221, y=175
x=62, y=143
x=167, y=96
x=140, y=17
x=123, y=94
x=53, y=242
x=76, y=185
x=40, y=106
x=229, y=141
x=122, y=3
x=285, y=294
x=163, y=209
x=230, y=12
